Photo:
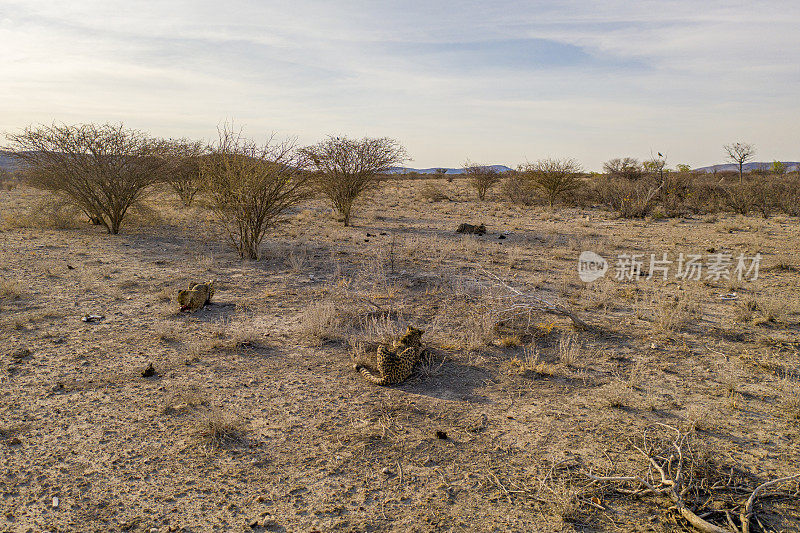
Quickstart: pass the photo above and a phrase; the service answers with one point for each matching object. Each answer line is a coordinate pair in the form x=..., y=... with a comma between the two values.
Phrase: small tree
x=251, y=186
x=101, y=169
x=183, y=170
x=626, y=167
x=440, y=171
x=481, y=178
x=345, y=168
x=683, y=168
x=779, y=169
x=740, y=153
x=553, y=176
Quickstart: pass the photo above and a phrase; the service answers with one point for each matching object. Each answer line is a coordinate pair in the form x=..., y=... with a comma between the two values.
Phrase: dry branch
x=521, y=303
x=672, y=482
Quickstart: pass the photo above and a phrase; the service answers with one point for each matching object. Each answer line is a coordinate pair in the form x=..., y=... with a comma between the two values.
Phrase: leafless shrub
x=554, y=177
x=345, y=168
x=432, y=193
x=251, y=186
x=102, y=169
x=182, y=172
x=518, y=189
x=481, y=177
x=629, y=198
x=623, y=167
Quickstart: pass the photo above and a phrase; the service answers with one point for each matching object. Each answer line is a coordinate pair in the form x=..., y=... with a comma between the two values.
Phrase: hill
x=748, y=167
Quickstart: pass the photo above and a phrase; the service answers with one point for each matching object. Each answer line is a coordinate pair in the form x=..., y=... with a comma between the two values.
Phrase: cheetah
x=472, y=229
x=395, y=364
x=196, y=296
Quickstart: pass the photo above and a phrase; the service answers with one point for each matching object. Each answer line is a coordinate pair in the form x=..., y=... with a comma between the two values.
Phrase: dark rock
x=149, y=371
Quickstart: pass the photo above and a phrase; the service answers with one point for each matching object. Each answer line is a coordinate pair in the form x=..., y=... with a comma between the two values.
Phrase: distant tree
x=251, y=185
x=779, y=169
x=740, y=153
x=481, y=177
x=101, y=169
x=345, y=168
x=553, y=176
x=182, y=172
x=440, y=171
x=683, y=168
x=626, y=167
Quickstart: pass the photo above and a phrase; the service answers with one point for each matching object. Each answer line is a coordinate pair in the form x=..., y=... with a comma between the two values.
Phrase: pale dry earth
x=303, y=443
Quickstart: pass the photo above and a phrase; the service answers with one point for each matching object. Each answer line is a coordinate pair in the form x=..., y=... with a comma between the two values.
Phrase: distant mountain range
x=8, y=163
x=406, y=170
x=747, y=167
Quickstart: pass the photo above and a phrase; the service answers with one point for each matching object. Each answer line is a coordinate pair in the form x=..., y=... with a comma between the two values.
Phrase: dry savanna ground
x=255, y=421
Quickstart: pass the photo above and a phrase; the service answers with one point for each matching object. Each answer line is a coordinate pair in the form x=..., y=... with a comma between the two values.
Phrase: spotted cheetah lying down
x=396, y=364
x=196, y=296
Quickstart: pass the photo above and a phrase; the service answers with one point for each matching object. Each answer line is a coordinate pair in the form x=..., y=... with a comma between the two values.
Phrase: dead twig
x=528, y=302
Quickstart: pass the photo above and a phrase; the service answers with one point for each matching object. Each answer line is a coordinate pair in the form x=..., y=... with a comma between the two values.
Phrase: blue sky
x=499, y=82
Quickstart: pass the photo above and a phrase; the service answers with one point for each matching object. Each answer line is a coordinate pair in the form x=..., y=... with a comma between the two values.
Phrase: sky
x=500, y=82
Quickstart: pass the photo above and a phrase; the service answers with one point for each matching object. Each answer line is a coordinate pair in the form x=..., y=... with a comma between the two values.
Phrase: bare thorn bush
x=102, y=169
x=481, y=178
x=554, y=177
x=182, y=172
x=345, y=168
x=251, y=185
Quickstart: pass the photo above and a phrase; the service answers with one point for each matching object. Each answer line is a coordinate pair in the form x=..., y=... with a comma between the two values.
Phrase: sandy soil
x=255, y=420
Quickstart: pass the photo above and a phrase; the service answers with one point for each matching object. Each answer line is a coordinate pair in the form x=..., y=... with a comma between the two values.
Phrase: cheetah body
x=196, y=296
x=395, y=364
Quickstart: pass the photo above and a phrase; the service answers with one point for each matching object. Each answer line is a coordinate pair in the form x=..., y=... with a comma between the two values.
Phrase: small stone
x=387, y=471
x=149, y=371
x=56, y=502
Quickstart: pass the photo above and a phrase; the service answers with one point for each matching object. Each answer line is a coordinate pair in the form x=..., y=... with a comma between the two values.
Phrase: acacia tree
x=101, y=169
x=345, y=168
x=481, y=177
x=251, y=185
x=740, y=153
x=183, y=170
x=623, y=167
x=553, y=176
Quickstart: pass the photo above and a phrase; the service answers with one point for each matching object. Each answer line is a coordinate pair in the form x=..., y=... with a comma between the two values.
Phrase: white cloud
x=677, y=76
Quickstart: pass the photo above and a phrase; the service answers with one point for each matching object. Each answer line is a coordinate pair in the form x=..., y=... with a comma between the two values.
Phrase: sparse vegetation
x=102, y=169
x=481, y=178
x=251, y=186
x=345, y=168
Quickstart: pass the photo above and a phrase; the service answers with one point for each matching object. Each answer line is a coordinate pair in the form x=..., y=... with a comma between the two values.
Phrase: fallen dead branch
x=674, y=479
x=520, y=303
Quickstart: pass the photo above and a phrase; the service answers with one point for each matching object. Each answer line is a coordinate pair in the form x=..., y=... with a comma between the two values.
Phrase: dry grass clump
x=569, y=350
x=218, y=428
x=9, y=289
x=320, y=322
x=49, y=213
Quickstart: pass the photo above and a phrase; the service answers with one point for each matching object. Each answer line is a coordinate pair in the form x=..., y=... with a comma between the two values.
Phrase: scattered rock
x=149, y=371
x=20, y=354
x=92, y=318
x=472, y=229
x=387, y=472
x=441, y=434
